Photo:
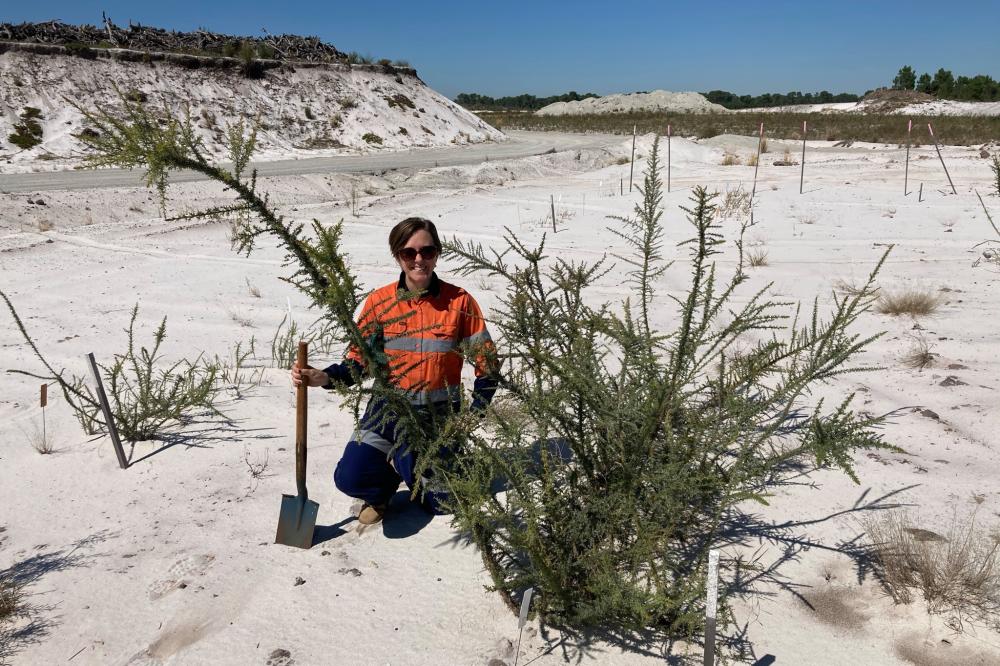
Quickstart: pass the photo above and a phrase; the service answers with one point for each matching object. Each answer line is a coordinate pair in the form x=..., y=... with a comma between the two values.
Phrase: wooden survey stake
x=906, y=171
x=943, y=166
x=668, y=158
x=43, y=395
x=802, y=170
x=631, y=164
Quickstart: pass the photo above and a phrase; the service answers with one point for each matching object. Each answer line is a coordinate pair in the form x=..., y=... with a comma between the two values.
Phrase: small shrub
x=336, y=120
x=372, y=138
x=11, y=600
x=401, y=63
x=136, y=96
x=46, y=225
x=401, y=101
x=28, y=133
x=914, y=302
x=253, y=289
x=284, y=344
x=348, y=103
x=619, y=161
x=730, y=159
x=958, y=573
x=256, y=468
x=41, y=438
x=403, y=131
x=144, y=396
x=235, y=373
x=757, y=257
x=309, y=114
x=919, y=356
x=735, y=204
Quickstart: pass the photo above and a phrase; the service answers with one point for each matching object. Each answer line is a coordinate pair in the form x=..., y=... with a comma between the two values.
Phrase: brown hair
x=401, y=233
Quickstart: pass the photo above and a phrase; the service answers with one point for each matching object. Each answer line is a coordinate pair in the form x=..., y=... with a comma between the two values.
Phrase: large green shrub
x=625, y=449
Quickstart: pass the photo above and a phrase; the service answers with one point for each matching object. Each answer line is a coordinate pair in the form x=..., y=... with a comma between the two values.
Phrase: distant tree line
x=734, y=101
x=944, y=85
x=479, y=102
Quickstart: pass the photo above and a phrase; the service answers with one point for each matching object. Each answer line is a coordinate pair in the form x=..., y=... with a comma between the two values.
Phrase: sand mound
x=658, y=100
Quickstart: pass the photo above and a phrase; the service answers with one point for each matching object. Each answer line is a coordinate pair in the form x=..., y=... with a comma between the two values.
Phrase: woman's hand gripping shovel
x=298, y=513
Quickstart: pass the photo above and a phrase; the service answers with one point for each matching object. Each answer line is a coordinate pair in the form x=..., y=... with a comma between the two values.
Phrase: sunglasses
x=426, y=253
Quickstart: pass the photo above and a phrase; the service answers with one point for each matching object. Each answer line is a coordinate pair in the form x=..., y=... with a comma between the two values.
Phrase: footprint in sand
x=177, y=575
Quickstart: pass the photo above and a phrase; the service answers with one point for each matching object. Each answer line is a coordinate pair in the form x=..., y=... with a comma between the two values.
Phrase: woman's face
x=418, y=269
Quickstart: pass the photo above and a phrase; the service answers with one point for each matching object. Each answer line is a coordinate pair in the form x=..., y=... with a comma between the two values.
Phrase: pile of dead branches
x=144, y=38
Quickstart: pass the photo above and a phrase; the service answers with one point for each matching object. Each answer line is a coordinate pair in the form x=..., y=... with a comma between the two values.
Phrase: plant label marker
x=906, y=172
x=106, y=409
x=43, y=400
x=938, y=149
x=668, y=158
x=522, y=619
x=711, y=606
x=631, y=163
x=802, y=171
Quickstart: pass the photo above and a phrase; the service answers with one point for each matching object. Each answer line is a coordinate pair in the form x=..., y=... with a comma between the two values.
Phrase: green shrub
x=400, y=100
x=145, y=397
x=625, y=450
x=371, y=137
x=27, y=133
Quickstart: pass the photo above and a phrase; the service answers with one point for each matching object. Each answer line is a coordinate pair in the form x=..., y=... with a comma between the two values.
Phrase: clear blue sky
x=545, y=47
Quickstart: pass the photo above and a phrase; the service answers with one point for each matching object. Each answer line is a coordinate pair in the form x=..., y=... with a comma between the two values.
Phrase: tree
x=924, y=83
x=906, y=79
x=943, y=83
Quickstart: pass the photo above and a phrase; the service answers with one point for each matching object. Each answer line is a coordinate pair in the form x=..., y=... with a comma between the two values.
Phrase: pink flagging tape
x=909, y=128
x=668, y=130
x=762, y=129
x=930, y=129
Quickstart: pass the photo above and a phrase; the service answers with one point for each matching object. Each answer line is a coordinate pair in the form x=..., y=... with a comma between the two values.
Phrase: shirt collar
x=433, y=289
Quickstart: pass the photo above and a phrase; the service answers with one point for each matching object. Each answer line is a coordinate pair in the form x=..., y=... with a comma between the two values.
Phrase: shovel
x=298, y=513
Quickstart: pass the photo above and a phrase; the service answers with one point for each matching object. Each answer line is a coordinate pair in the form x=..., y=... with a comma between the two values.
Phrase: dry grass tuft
x=914, y=302
x=46, y=225
x=730, y=159
x=919, y=356
x=11, y=600
x=849, y=287
x=41, y=439
x=735, y=204
x=253, y=289
x=757, y=257
x=763, y=146
x=958, y=574
x=752, y=159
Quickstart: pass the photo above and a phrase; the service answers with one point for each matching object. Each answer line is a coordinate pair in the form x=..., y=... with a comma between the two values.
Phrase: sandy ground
x=172, y=561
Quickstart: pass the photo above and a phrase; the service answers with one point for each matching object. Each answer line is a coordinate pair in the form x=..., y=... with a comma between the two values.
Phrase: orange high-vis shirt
x=425, y=338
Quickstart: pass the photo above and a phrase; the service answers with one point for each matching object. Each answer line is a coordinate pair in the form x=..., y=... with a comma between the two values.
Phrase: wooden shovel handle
x=301, y=419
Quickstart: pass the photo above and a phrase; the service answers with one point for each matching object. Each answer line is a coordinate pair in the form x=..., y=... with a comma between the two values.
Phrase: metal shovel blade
x=297, y=521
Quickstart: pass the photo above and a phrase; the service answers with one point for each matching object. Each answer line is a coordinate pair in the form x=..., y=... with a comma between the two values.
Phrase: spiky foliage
x=622, y=449
x=133, y=135
x=144, y=395
x=995, y=166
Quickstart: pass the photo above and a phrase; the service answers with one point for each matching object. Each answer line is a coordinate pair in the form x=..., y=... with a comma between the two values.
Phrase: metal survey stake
x=906, y=172
x=760, y=142
x=522, y=619
x=109, y=419
x=711, y=606
x=631, y=164
x=938, y=149
x=802, y=171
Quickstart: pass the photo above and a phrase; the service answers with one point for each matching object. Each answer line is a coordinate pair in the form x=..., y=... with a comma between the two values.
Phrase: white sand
x=172, y=561
x=657, y=100
x=308, y=112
